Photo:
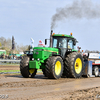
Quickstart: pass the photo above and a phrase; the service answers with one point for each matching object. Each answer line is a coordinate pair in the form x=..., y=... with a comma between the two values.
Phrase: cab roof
x=63, y=35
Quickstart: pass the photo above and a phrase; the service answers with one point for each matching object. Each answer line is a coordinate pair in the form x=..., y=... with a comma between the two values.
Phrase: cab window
x=55, y=43
x=70, y=44
x=62, y=42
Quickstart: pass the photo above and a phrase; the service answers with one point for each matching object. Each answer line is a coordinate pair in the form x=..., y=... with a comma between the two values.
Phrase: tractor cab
x=65, y=43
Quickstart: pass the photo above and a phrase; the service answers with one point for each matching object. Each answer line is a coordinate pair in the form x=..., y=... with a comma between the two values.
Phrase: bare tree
x=3, y=41
x=6, y=44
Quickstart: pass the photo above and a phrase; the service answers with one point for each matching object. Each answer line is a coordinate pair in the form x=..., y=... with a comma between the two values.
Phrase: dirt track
x=12, y=67
x=41, y=88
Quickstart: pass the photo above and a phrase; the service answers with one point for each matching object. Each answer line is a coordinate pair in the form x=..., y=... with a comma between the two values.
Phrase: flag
x=32, y=41
x=41, y=43
x=13, y=43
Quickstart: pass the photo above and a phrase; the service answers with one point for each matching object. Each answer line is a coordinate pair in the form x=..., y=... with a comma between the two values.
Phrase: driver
x=62, y=43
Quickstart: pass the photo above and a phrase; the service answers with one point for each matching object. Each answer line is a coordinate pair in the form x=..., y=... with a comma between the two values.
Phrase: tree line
x=6, y=44
x=93, y=51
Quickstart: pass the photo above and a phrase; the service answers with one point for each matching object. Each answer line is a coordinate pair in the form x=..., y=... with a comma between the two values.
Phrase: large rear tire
x=44, y=73
x=73, y=65
x=54, y=67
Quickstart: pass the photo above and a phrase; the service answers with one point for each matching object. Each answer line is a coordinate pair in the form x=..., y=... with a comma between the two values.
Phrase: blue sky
x=25, y=19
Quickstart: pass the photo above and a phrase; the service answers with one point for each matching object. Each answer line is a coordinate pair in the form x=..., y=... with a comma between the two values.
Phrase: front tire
x=73, y=65
x=24, y=66
x=54, y=67
x=44, y=73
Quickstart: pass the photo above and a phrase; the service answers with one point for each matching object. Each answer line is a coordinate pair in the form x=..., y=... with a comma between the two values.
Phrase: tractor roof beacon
x=60, y=59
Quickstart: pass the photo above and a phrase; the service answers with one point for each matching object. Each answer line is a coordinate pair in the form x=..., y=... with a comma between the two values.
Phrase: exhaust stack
x=51, y=38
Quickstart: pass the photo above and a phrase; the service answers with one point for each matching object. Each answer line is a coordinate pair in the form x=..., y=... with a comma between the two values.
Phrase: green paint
x=34, y=64
x=63, y=35
x=41, y=53
x=74, y=50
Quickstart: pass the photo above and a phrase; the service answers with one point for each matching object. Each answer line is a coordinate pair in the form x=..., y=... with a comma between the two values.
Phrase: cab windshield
x=60, y=42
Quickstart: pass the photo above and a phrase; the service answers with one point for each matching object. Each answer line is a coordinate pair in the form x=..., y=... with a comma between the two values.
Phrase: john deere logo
x=37, y=53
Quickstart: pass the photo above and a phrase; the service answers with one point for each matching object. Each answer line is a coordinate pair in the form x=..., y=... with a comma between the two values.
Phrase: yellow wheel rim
x=78, y=65
x=58, y=67
x=32, y=70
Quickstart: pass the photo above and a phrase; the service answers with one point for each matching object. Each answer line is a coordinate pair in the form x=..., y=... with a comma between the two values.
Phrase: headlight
x=32, y=58
x=38, y=59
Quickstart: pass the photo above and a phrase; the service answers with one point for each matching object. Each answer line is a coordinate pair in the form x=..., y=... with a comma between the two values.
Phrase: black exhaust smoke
x=77, y=10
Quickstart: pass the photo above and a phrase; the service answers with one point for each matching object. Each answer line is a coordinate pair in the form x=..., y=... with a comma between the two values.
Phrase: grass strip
x=16, y=71
x=9, y=70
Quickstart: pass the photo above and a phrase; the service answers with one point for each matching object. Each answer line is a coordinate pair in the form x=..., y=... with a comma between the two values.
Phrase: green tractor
x=58, y=60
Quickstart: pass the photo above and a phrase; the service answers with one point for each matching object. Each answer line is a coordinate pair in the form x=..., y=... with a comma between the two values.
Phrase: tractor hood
x=43, y=53
x=40, y=55
x=49, y=49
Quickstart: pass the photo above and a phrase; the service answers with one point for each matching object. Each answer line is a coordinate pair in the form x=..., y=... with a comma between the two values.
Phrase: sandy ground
x=5, y=67
x=15, y=87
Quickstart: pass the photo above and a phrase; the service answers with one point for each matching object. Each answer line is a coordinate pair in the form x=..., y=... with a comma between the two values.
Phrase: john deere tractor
x=60, y=59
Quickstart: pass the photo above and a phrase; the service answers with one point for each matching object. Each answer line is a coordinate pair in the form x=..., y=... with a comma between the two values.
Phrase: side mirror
x=74, y=42
x=45, y=41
